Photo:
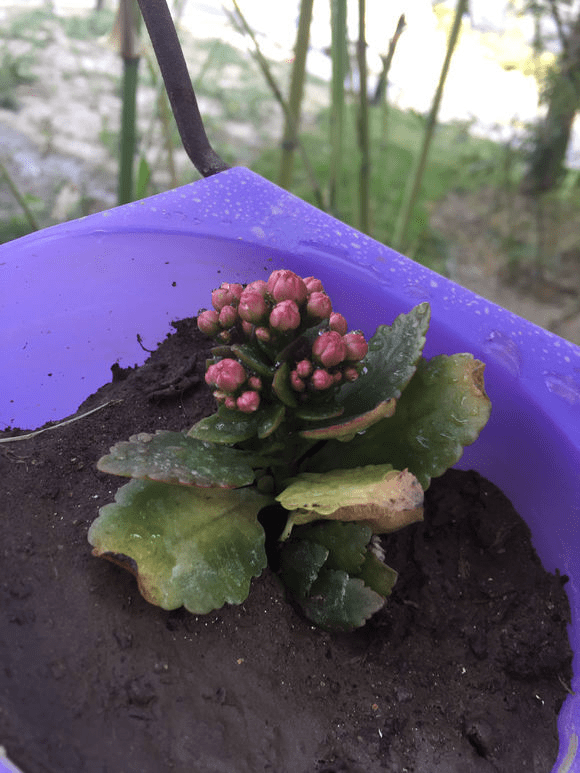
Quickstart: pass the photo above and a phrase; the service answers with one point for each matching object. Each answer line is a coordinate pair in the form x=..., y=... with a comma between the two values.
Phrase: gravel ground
x=59, y=120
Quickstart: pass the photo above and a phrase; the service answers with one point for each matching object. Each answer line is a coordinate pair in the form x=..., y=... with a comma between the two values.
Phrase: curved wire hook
x=177, y=81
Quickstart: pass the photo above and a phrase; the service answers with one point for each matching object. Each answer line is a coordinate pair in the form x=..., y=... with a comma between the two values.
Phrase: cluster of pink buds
x=271, y=314
x=335, y=358
x=265, y=310
x=218, y=321
x=233, y=386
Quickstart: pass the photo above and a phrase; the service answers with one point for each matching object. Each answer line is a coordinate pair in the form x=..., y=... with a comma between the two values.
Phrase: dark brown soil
x=464, y=670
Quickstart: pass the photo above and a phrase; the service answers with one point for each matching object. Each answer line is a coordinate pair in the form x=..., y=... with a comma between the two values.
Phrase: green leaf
x=300, y=563
x=394, y=351
x=251, y=358
x=338, y=602
x=378, y=575
x=282, y=388
x=334, y=575
x=346, y=543
x=319, y=412
x=143, y=178
x=347, y=429
x=376, y=495
x=187, y=546
x=172, y=457
x=226, y=426
x=443, y=409
x=270, y=419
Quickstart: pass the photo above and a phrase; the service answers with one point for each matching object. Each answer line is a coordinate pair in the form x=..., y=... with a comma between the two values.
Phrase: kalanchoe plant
x=340, y=434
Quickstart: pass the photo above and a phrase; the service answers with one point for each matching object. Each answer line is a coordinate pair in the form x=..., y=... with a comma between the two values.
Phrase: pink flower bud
x=337, y=377
x=285, y=316
x=338, y=323
x=319, y=305
x=208, y=322
x=235, y=289
x=350, y=374
x=259, y=286
x=248, y=402
x=221, y=297
x=211, y=374
x=248, y=328
x=296, y=382
x=225, y=336
x=230, y=402
x=255, y=382
x=263, y=334
x=227, y=375
x=356, y=346
x=228, y=316
x=304, y=368
x=321, y=379
x=253, y=307
x=313, y=285
x=329, y=349
x=284, y=285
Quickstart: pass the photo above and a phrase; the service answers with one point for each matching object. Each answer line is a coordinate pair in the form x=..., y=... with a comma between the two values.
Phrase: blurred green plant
x=239, y=21
x=90, y=26
x=413, y=183
x=364, y=197
x=340, y=68
x=445, y=172
x=292, y=124
x=34, y=26
x=127, y=38
x=14, y=72
x=24, y=201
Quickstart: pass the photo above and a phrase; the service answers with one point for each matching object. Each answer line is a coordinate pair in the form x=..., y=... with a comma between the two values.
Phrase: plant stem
x=339, y=56
x=382, y=86
x=289, y=140
x=240, y=22
x=128, y=28
x=128, y=118
x=19, y=198
x=415, y=178
x=363, y=125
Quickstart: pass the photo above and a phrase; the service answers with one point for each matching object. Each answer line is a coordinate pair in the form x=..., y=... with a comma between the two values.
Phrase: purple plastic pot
x=75, y=297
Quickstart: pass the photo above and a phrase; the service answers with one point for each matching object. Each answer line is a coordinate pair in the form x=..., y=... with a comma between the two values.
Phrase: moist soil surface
x=463, y=670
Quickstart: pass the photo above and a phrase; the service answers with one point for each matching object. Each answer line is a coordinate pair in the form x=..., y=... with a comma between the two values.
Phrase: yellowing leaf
x=187, y=546
x=377, y=495
x=443, y=409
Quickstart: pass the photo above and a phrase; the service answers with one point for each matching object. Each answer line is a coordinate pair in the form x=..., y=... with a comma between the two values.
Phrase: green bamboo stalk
x=128, y=19
x=415, y=178
x=32, y=222
x=296, y=94
x=339, y=55
x=240, y=23
x=382, y=88
x=363, y=126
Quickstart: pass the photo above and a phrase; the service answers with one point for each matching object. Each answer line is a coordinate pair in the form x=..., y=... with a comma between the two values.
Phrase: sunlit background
x=61, y=75
x=492, y=79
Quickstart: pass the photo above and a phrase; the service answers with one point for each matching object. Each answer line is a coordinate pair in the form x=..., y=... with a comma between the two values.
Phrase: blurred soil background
x=474, y=221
